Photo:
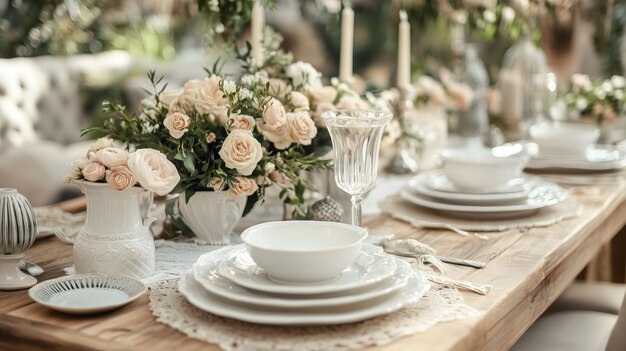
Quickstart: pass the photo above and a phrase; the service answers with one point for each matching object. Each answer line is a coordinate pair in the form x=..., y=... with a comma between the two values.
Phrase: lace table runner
x=440, y=304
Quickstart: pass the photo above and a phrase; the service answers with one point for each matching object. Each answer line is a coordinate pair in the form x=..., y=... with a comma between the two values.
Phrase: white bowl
x=303, y=251
x=563, y=138
x=482, y=170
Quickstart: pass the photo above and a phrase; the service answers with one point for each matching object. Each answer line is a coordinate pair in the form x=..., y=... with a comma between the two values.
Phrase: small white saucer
x=205, y=272
x=439, y=182
x=87, y=293
x=372, y=265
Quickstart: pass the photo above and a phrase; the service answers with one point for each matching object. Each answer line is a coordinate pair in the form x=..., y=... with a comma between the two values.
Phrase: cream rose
x=94, y=171
x=280, y=178
x=153, y=171
x=244, y=122
x=299, y=101
x=207, y=97
x=243, y=186
x=177, y=124
x=241, y=151
x=182, y=104
x=274, y=114
x=348, y=102
x=277, y=135
x=97, y=146
x=112, y=157
x=323, y=94
x=278, y=87
x=301, y=128
x=120, y=177
x=319, y=109
x=167, y=97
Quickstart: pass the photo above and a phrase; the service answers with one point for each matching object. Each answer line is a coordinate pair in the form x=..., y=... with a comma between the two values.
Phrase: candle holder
x=17, y=233
x=403, y=162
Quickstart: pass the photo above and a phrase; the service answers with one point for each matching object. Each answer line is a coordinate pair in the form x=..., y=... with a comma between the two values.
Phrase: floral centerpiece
x=599, y=101
x=121, y=169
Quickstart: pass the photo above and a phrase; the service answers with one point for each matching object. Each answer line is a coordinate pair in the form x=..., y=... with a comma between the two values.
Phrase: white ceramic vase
x=18, y=230
x=115, y=238
x=212, y=215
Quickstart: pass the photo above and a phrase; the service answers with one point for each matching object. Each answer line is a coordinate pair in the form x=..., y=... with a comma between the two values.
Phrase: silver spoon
x=32, y=268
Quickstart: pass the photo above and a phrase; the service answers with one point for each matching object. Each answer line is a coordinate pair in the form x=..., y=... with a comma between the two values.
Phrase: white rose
x=303, y=74
x=168, y=96
x=177, y=123
x=244, y=186
x=323, y=94
x=299, y=101
x=241, y=151
x=277, y=135
x=77, y=167
x=301, y=128
x=120, y=177
x=274, y=114
x=244, y=122
x=99, y=145
x=618, y=82
x=112, y=157
x=581, y=103
x=94, y=171
x=153, y=171
x=269, y=167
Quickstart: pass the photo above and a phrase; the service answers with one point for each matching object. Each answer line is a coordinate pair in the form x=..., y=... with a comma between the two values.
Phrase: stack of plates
x=228, y=283
x=520, y=197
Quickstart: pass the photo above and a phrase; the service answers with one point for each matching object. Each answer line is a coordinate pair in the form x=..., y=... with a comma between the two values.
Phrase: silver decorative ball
x=327, y=210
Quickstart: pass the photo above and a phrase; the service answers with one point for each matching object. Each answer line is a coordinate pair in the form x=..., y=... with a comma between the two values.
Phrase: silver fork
x=61, y=235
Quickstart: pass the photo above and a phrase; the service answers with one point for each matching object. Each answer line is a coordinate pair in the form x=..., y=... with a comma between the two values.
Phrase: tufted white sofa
x=41, y=118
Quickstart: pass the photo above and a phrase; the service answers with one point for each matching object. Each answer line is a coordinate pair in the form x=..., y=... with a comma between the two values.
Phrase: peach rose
x=241, y=151
x=120, y=177
x=244, y=186
x=299, y=101
x=182, y=104
x=244, y=122
x=177, y=124
x=94, y=171
x=349, y=102
x=319, y=109
x=112, y=157
x=210, y=138
x=153, y=171
x=301, y=128
x=280, y=178
x=274, y=114
x=277, y=135
x=323, y=94
x=217, y=184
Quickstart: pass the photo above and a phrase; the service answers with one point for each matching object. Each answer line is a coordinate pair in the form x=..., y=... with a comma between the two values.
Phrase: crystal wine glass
x=356, y=136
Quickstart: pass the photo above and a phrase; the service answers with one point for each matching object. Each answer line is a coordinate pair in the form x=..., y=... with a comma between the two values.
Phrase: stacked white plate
x=228, y=283
x=520, y=197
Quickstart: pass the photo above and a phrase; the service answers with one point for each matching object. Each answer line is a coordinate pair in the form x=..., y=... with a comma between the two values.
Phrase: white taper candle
x=403, y=78
x=347, y=33
x=258, y=22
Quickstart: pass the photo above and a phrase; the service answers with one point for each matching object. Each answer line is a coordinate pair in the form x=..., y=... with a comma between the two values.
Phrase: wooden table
x=527, y=269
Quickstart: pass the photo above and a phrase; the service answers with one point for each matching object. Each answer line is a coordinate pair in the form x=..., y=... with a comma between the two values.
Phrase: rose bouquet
x=602, y=101
x=122, y=169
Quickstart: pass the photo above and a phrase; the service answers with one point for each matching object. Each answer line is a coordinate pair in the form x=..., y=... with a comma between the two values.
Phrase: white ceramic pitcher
x=115, y=238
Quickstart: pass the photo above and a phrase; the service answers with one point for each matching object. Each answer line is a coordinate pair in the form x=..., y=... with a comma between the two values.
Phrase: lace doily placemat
x=420, y=217
x=440, y=304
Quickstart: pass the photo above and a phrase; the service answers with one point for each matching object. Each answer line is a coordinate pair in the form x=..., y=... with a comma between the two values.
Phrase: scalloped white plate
x=208, y=302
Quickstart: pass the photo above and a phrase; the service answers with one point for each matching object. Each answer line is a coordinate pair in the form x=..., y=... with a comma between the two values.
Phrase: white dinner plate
x=439, y=182
x=87, y=293
x=196, y=295
x=371, y=265
x=205, y=273
x=420, y=184
x=543, y=195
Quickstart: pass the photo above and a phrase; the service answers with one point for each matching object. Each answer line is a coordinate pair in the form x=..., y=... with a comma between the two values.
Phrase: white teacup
x=564, y=138
x=303, y=251
x=482, y=170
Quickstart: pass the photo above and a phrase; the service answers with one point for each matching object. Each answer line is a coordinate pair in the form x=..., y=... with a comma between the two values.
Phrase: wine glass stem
x=356, y=210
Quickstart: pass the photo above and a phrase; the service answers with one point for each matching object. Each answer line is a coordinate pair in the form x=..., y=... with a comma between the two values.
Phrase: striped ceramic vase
x=18, y=230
